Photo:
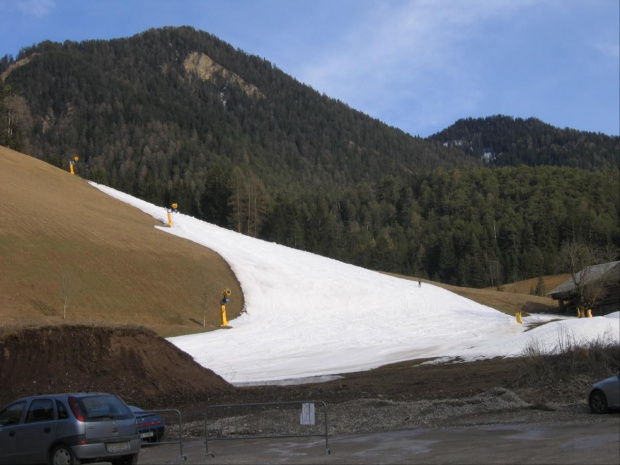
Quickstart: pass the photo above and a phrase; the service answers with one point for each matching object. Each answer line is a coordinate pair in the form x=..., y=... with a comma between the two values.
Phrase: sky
x=418, y=65
x=310, y=317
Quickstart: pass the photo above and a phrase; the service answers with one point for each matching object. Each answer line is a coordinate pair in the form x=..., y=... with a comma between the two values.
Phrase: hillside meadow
x=71, y=253
x=511, y=299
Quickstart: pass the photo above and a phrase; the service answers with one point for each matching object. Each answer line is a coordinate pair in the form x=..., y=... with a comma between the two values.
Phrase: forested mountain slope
x=175, y=115
x=163, y=111
x=469, y=227
x=505, y=141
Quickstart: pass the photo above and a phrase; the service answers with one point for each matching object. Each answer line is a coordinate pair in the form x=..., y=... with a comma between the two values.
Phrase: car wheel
x=126, y=460
x=598, y=402
x=63, y=455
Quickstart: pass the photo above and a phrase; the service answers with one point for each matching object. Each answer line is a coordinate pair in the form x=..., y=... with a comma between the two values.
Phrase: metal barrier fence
x=166, y=429
x=266, y=421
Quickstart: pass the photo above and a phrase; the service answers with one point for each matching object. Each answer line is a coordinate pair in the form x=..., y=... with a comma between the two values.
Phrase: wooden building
x=606, y=279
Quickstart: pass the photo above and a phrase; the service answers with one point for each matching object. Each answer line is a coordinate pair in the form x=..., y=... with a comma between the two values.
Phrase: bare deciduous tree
x=248, y=202
x=68, y=287
x=205, y=295
x=590, y=281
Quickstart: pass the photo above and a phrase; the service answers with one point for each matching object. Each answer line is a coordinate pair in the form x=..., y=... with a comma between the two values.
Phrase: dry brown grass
x=115, y=266
x=527, y=285
x=507, y=302
x=568, y=368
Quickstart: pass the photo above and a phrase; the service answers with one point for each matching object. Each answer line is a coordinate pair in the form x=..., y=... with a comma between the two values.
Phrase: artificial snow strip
x=310, y=316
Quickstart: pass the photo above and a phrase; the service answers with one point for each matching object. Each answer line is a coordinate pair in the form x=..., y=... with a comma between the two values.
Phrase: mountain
x=173, y=105
x=506, y=141
x=175, y=115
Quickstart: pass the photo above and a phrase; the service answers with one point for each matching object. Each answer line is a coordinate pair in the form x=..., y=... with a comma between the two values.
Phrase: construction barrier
x=170, y=432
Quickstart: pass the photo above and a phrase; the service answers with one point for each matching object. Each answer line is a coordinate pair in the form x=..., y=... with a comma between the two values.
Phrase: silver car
x=68, y=429
x=605, y=395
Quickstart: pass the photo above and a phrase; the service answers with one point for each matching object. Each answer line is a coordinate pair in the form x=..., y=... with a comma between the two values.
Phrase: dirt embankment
x=130, y=361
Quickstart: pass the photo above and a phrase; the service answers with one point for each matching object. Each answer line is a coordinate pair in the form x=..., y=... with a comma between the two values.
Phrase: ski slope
x=311, y=316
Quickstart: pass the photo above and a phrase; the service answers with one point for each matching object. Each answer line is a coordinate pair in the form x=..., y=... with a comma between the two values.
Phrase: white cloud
x=413, y=37
x=37, y=8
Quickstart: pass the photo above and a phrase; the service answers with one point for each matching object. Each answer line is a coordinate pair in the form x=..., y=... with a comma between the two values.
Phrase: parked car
x=68, y=429
x=150, y=425
x=605, y=395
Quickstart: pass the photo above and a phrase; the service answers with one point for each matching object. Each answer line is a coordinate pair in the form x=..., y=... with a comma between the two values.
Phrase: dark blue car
x=150, y=425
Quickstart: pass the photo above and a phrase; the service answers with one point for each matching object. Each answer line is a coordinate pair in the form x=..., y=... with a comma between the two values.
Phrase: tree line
x=468, y=227
x=473, y=227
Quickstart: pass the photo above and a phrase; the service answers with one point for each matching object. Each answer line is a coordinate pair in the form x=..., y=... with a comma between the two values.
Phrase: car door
x=615, y=392
x=37, y=432
x=10, y=419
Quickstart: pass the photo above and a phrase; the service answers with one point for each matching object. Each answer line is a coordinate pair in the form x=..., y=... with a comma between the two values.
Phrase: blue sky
x=418, y=65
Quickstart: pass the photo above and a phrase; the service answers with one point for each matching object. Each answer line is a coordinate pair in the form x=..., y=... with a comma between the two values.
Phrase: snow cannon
x=225, y=299
x=171, y=210
x=72, y=163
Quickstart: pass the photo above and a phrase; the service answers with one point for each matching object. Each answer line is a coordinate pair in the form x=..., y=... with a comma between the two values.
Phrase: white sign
x=307, y=414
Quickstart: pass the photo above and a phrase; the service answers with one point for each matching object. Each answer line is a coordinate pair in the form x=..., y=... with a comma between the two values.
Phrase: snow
x=309, y=316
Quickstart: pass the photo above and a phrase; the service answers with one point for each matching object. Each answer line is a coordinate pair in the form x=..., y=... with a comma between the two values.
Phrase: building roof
x=585, y=276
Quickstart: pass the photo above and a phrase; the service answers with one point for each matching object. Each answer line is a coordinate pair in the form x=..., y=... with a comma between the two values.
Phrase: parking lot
x=522, y=443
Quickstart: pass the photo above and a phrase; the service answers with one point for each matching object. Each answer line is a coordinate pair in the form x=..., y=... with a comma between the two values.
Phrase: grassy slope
x=525, y=286
x=514, y=297
x=117, y=267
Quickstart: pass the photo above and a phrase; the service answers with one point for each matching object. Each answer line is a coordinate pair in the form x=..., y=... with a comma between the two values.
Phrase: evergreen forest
x=175, y=115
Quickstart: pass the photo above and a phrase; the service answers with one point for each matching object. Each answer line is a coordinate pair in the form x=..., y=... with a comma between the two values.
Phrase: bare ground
x=130, y=361
x=148, y=371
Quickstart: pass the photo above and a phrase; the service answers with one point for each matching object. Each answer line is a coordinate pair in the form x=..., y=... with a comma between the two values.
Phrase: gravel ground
x=493, y=407
x=498, y=406
x=370, y=416
x=403, y=396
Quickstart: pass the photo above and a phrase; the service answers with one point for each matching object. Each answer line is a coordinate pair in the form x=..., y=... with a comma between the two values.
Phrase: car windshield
x=103, y=407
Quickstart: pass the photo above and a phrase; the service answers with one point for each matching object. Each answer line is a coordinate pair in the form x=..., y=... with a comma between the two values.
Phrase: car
x=68, y=429
x=605, y=395
x=150, y=425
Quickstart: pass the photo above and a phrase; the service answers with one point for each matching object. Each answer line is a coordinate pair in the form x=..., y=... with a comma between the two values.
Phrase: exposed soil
x=129, y=361
x=407, y=381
